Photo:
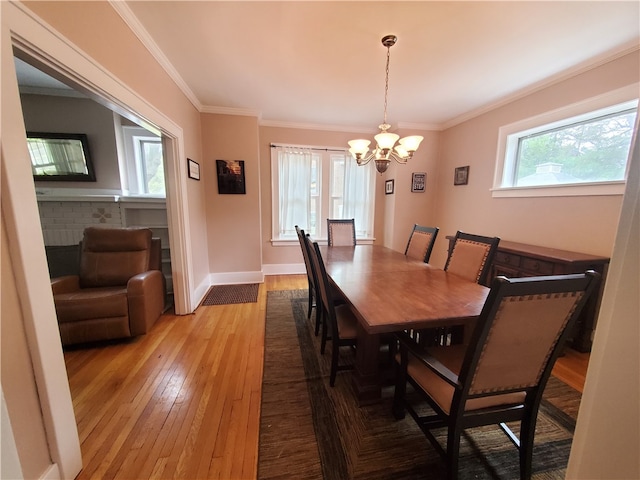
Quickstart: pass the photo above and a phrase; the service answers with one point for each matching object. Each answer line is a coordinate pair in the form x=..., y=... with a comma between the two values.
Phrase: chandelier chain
x=386, y=86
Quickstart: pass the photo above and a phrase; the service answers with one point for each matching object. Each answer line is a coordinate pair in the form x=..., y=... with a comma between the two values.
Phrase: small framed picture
x=193, y=169
x=231, y=177
x=461, y=176
x=388, y=187
x=418, y=182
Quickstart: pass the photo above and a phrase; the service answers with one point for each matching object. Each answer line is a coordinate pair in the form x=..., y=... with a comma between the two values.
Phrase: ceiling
x=322, y=63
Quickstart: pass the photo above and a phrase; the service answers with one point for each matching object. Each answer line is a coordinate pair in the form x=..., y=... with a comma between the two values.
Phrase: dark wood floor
x=184, y=400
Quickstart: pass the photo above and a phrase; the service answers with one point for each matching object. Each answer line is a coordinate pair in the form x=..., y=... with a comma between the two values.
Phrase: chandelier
x=386, y=147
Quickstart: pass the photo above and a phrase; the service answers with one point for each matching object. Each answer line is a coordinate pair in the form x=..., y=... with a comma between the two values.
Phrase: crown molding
x=141, y=33
x=420, y=126
x=246, y=112
x=316, y=126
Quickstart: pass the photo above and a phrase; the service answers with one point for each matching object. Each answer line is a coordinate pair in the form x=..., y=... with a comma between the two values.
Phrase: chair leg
x=335, y=351
x=318, y=319
x=323, y=342
x=527, y=434
x=311, y=297
x=453, y=451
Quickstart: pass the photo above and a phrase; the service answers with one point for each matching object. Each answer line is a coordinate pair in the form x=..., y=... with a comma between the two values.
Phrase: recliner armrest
x=146, y=297
x=65, y=284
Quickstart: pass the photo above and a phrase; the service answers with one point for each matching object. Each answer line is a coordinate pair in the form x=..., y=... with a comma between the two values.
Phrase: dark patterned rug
x=226, y=294
x=312, y=431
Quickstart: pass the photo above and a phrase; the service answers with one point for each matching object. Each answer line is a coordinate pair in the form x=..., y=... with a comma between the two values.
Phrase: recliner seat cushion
x=91, y=303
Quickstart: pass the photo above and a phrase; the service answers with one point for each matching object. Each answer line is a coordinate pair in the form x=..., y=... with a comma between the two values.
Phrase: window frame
x=324, y=197
x=509, y=135
x=132, y=170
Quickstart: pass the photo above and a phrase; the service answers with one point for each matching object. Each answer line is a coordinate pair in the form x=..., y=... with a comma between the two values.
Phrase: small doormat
x=225, y=294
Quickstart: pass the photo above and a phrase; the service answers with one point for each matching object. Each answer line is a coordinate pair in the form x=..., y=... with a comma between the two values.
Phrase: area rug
x=226, y=294
x=313, y=431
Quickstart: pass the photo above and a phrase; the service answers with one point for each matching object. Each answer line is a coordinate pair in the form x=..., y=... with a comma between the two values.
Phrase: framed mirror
x=60, y=157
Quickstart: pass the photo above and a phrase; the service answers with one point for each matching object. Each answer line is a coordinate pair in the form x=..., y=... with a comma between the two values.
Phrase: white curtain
x=358, y=195
x=294, y=175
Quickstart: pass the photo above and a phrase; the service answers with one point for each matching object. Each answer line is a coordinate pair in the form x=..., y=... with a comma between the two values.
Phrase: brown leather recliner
x=120, y=290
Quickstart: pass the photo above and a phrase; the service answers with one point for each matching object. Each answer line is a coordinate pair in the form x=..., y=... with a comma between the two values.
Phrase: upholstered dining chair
x=501, y=375
x=471, y=256
x=338, y=320
x=421, y=242
x=342, y=232
x=119, y=290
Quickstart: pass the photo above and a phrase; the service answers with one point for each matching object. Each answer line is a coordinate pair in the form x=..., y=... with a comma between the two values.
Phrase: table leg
x=366, y=375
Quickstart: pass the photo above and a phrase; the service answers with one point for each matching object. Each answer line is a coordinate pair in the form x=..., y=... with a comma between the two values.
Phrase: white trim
x=20, y=214
x=231, y=278
x=244, y=112
x=579, y=190
x=284, y=269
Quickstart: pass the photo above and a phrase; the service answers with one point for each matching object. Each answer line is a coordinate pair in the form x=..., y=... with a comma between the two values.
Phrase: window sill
x=590, y=189
x=275, y=242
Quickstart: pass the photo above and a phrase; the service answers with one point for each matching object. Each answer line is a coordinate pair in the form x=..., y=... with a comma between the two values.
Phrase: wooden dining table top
x=389, y=292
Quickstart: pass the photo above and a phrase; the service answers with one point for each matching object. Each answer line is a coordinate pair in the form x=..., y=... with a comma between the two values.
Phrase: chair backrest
x=421, y=242
x=342, y=232
x=111, y=256
x=324, y=290
x=521, y=331
x=311, y=274
x=471, y=256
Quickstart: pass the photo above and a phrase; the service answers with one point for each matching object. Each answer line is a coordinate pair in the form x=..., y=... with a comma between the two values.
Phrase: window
x=310, y=185
x=143, y=166
x=566, y=152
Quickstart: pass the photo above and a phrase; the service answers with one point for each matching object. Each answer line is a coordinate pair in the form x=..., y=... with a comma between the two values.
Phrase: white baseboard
x=230, y=278
x=284, y=269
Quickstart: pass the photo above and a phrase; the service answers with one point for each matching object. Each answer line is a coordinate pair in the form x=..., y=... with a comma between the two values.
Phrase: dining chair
x=338, y=320
x=342, y=232
x=421, y=242
x=501, y=375
x=471, y=256
x=311, y=278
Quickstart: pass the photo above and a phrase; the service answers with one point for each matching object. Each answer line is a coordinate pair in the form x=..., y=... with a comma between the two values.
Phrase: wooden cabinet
x=522, y=260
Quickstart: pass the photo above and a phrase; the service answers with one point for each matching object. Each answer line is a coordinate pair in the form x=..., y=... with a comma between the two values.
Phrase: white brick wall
x=63, y=222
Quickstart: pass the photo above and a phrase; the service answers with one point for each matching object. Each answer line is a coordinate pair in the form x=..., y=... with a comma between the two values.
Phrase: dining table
x=389, y=292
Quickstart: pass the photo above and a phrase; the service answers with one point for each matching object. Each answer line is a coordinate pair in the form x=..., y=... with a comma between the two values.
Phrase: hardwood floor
x=184, y=400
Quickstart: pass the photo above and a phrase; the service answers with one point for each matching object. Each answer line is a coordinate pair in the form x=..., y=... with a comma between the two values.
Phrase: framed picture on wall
x=418, y=182
x=230, y=177
x=193, y=169
x=388, y=187
x=461, y=176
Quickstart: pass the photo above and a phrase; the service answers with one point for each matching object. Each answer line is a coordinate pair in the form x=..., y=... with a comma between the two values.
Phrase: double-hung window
x=580, y=150
x=311, y=184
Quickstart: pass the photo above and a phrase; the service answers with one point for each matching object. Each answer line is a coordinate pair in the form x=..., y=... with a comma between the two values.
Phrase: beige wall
x=233, y=220
x=583, y=224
